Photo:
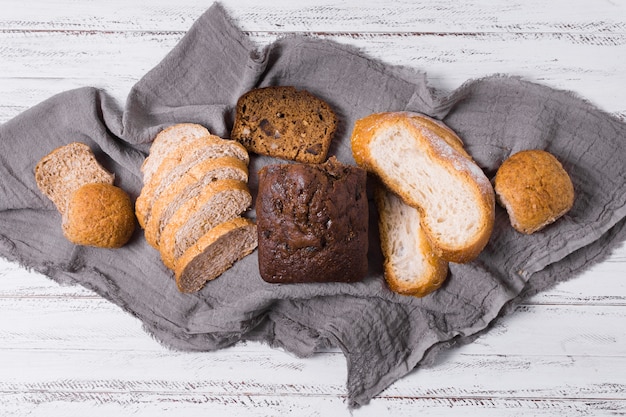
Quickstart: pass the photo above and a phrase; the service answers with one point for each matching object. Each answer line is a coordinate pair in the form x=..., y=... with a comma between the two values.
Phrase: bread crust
x=429, y=136
x=238, y=232
x=534, y=188
x=100, y=215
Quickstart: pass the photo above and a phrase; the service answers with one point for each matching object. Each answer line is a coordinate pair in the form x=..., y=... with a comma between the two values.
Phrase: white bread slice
x=420, y=161
x=177, y=162
x=66, y=169
x=189, y=186
x=169, y=138
x=410, y=265
x=218, y=202
x=214, y=253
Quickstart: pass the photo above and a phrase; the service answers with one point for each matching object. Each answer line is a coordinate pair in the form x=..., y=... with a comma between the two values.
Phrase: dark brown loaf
x=312, y=223
x=285, y=123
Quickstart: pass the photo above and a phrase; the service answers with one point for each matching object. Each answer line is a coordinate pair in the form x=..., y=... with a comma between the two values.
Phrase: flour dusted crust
x=284, y=122
x=534, y=188
x=394, y=145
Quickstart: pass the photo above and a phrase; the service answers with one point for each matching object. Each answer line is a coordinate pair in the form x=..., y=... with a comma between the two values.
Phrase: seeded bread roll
x=285, y=123
x=535, y=190
x=100, y=215
x=423, y=162
x=93, y=211
x=410, y=265
x=312, y=222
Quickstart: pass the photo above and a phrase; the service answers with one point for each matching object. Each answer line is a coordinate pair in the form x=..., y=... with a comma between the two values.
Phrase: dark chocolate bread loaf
x=312, y=222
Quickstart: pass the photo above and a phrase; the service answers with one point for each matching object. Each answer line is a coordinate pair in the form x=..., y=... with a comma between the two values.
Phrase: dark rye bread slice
x=216, y=203
x=215, y=252
x=177, y=162
x=286, y=123
x=66, y=169
x=189, y=186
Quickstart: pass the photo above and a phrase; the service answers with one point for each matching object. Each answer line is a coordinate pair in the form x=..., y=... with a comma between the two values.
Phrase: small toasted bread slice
x=66, y=169
x=421, y=162
x=214, y=253
x=410, y=264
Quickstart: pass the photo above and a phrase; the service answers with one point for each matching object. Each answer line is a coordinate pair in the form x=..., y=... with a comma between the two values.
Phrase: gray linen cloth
x=383, y=335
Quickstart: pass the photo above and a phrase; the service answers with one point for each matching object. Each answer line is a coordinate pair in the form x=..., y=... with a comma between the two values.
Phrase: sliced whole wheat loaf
x=218, y=202
x=177, y=162
x=215, y=252
x=189, y=186
x=66, y=169
x=167, y=139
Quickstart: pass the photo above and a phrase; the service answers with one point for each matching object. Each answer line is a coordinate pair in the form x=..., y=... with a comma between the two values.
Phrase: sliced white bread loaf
x=410, y=264
x=425, y=165
x=180, y=160
x=66, y=169
x=216, y=203
x=215, y=252
x=189, y=187
x=168, y=139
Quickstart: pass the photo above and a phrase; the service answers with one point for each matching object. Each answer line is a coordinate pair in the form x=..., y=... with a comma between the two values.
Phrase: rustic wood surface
x=67, y=352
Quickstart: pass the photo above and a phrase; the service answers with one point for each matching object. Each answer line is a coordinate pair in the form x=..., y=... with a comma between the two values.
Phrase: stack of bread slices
x=191, y=205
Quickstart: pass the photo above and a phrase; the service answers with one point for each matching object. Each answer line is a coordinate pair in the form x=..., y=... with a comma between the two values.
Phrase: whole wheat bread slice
x=66, y=169
x=411, y=267
x=177, y=162
x=189, y=186
x=218, y=202
x=424, y=166
x=284, y=122
x=215, y=252
x=166, y=140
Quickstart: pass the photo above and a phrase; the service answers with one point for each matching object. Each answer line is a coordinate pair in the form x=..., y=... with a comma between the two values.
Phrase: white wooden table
x=66, y=352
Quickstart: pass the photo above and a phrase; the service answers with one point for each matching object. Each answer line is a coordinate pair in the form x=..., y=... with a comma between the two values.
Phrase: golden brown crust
x=220, y=232
x=436, y=269
x=534, y=188
x=100, y=215
x=422, y=127
x=167, y=243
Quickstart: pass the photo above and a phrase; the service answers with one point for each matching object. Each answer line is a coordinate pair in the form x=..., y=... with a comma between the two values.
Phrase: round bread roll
x=534, y=189
x=100, y=215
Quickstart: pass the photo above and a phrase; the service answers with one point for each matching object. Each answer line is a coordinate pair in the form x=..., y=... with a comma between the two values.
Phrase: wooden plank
x=58, y=322
x=471, y=382
x=323, y=15
x=35, y=66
